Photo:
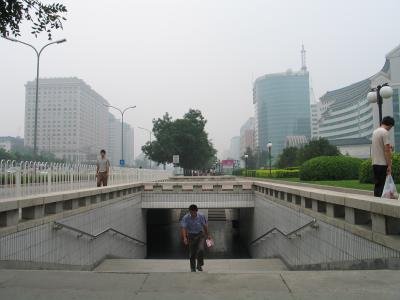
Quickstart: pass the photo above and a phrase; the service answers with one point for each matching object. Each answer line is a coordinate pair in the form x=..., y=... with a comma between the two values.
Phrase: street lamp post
x=246, y=156
x=38, y=53
x=269, y=146
x=376, y=95
x=122, y=111
x=150, y=132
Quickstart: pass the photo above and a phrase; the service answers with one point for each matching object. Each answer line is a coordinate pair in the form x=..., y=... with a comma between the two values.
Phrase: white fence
x=27, y=177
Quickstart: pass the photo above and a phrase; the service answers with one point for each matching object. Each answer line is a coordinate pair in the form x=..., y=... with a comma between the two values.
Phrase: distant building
x=282, y=108
x=74, y=122
x=347, y=115
x=356, y=147
x=234, y=149
x=114, y=142
x=295, y=141
x=72, y=118
x=247, y=135
x=315, y=117
x=9, y=143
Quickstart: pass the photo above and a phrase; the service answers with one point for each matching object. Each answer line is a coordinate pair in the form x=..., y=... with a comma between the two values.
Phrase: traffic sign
x=175, y=159
x=122, y=162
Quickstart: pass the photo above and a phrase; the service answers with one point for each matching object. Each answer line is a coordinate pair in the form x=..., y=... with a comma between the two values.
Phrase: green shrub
x=275, y=173
x=330, y=168
x=366, y=174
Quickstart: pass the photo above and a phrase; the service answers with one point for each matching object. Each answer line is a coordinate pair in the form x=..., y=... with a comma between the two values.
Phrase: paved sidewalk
x=280, y=285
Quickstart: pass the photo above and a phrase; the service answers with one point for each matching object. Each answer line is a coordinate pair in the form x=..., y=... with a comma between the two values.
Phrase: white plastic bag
x=209, y=243
x=389, y=190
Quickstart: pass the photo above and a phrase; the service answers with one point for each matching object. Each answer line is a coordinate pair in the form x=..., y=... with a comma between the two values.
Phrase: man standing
x=103, y=167
x=194, y=229
x=381, y=154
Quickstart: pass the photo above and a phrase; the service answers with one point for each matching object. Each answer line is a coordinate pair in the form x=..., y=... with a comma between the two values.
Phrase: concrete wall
x=202, y=200
x=50, y=248
x=327, y=247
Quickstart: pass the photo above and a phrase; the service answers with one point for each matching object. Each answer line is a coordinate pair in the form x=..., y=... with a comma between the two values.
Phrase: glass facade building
x=282, y=108
x=347, y=113
x=396, y=116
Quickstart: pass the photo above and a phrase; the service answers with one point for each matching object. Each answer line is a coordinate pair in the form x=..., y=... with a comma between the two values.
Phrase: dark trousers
x=196, y=250
x=379, y=179
x=102, y=179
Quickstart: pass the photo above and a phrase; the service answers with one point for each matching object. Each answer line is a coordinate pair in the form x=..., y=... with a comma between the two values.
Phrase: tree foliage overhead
x=42, y=17
x=185, y=137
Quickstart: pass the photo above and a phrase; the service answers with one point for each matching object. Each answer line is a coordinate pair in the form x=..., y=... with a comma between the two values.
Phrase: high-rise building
x=114, y=142
x=282, y=108
x=348, y=119
x=247, y=132
x=315, y=116
x=72, y=118
x=234, y=149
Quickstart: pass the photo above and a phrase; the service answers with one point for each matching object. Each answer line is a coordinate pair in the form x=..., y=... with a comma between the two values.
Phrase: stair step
x=222, y=266
x=216, y=215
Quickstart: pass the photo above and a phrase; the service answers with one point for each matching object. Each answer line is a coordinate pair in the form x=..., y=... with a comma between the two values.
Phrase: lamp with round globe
x=378, y=94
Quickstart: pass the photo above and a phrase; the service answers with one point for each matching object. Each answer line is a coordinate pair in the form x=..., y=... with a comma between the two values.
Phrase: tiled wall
x=42, y=244
x=327, y=244
x=202, y=200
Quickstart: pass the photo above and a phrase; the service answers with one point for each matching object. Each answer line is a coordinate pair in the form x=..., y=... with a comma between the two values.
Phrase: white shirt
x=380, y=138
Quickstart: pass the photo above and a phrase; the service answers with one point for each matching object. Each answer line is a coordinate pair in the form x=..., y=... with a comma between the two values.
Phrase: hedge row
x=330, y=168
x=276, y=173
x=366, y=175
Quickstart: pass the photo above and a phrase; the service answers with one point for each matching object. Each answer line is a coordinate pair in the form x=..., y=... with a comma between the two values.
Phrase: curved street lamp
x=150, y=133
x=269, y=146
x=122, y=111
x=246, y=156
x=38, y=53
x=376, y=95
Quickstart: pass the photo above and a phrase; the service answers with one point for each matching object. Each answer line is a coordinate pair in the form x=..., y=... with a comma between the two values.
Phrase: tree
x=251, y=159
x=185, y=137
x=315, y=148
x=293, y=156
x=43, y=17
x=288, y=158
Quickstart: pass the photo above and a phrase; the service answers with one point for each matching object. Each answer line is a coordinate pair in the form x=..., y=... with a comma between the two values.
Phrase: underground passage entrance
x=164, y=240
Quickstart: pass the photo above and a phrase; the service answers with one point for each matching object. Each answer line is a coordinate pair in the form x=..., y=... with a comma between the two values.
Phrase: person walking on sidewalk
x=381, y=153
x=194, y=229
x=102, y=170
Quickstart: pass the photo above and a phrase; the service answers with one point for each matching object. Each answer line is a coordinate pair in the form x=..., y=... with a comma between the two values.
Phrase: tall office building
x=315, y=116
x=282, y=108
x=114, y=142
x=347, y=119
x=234, y=149
x=247, y=132
x=72, y=118
x=74, y=122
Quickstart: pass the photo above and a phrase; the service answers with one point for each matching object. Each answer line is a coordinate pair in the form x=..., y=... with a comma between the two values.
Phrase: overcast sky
x=172, y=55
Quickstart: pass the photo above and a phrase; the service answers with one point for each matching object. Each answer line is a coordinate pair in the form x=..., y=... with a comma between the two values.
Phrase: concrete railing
x=26, y=212
x=372, y=218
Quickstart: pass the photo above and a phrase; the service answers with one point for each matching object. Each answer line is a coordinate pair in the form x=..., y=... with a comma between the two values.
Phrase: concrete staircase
x=220, y=266
x=216, y=214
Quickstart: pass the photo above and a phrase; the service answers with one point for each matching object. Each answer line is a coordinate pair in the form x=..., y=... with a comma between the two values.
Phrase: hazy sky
x=172, y=55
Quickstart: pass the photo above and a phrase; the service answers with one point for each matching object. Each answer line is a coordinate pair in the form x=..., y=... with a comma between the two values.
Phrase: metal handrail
x=312, y=223
x=58, y=225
